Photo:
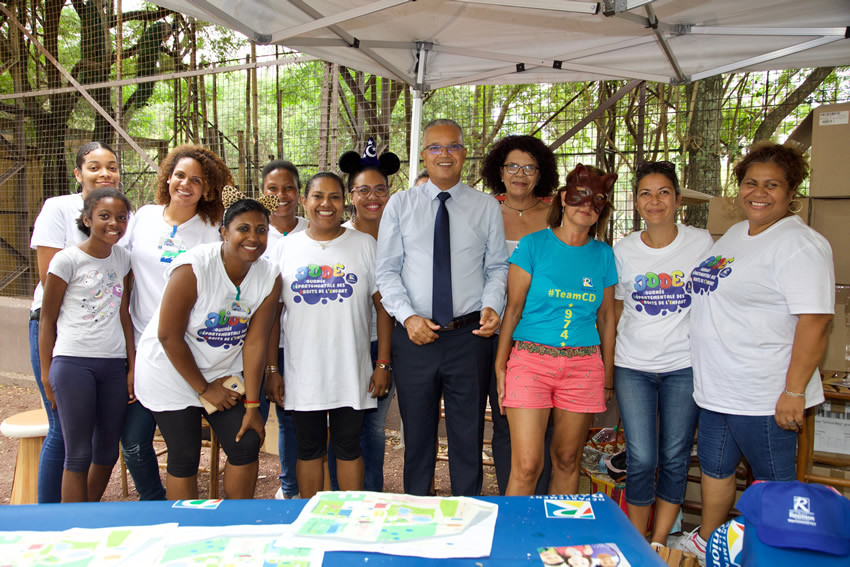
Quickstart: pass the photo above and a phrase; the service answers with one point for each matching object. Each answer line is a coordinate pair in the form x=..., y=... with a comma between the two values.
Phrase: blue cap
x=797, y=515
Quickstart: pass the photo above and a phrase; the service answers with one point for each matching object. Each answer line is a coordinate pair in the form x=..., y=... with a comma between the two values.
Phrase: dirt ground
x=16, y=398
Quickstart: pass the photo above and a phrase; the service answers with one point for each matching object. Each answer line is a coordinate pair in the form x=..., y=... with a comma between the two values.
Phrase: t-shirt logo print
x=314, y=283
x=705, y=277
x=105, y=295
x=587, y=282
x=226, y=328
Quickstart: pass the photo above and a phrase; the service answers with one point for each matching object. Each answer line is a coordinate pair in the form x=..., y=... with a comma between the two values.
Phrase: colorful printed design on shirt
x=104, y=299
x=315, y=283
x=705, y=277
x=661, y=293
x=226, y=328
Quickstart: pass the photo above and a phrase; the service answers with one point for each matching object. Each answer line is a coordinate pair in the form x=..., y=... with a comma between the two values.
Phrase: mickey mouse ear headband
x=230, y=195
x=351, y=162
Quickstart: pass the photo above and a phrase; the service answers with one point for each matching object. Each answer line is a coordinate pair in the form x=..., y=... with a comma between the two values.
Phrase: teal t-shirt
x=567, y=284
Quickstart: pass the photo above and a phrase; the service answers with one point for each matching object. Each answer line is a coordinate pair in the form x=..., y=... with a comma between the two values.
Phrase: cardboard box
x=837, y=356
x=831, y=218
x=832, y=427
x=830, y=150
x=723, y=212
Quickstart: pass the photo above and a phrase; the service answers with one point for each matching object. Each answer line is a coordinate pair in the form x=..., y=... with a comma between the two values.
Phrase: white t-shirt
x=216, y=331
x=154, y=244
x=652, y=335
x=327, y=294
x=56, y=227
x=275, y=234
x=373, y=328
x=274, y=237
x=747, y=294
x=89, y=322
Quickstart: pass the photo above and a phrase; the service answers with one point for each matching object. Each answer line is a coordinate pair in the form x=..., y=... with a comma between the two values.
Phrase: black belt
x=35, y=315
x=462, y=321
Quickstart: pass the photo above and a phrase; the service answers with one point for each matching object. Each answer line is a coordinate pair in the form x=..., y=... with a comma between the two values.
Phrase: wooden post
x=279, y=102
x=334, y=117
x=240, y=137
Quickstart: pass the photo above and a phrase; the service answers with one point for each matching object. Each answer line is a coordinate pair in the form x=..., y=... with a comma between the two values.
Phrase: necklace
x=324, y=243
x=520, y=211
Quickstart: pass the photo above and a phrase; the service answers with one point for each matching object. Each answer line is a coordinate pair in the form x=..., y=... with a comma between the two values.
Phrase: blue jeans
x=373, y=440
x=52, y=460
x=139, y=454
x=287, y=444
x=770, y=450
x=659, y=418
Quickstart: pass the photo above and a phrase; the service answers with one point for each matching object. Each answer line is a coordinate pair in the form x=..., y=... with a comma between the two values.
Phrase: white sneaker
x=691, y=542
x=279, y=494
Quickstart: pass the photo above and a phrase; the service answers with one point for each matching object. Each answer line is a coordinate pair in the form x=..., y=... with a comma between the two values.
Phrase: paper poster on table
x=80, y=546
x=396, y=524
x=232, y=545
x=588, y=555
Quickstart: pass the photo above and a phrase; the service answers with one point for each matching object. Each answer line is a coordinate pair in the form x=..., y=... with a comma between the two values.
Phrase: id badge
x=171, y=247
x=234, y=307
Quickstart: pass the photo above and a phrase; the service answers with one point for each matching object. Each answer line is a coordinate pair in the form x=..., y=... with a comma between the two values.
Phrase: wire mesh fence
x=164, y=79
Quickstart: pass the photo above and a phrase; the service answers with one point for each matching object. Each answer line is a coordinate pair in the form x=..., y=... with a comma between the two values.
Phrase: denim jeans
x=659, y=419
x=770, y=450
x=139, y=454
x=287, y=445
x=52, y=460
x=373, y=441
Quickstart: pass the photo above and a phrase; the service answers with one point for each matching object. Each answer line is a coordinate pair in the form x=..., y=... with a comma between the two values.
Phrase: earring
x=120, y=186
x=78, y=187
x=563, y=209
x=795, y=206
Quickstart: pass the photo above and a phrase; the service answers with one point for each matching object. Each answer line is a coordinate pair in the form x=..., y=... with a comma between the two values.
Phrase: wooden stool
x=30, y=427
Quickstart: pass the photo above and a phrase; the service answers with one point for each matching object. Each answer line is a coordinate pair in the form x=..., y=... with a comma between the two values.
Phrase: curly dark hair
x=491, y=171
x=792, y=162
x=216, y=176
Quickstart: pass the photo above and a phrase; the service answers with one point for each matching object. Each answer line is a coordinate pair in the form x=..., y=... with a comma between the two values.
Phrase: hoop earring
x=78, y=187
x=795, y=206
x=120, y=186
x=563, y=209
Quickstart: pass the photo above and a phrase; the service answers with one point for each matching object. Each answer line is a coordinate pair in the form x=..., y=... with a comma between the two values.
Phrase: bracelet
x=271, y=368
x=382, y=361
x=206, y=387
x=793, y=395
x=249, y=405
x=607, y=388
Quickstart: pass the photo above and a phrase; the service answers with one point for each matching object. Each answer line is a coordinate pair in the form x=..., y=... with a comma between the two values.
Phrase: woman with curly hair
x=763, y=299
x=188, y=213
x=523, y=169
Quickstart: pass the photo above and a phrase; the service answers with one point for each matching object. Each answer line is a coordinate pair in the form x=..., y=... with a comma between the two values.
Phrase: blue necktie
x=441, y=298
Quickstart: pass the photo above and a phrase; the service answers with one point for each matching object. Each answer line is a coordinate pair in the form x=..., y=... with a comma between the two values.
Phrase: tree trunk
x=704, y=99
x=775, y=117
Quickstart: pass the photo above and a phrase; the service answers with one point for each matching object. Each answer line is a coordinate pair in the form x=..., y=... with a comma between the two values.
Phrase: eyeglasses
x=437, y=149
x=514, y=168
x=379, y=190
x=649, y=166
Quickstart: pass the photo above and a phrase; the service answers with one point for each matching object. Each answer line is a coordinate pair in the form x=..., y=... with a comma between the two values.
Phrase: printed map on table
x=396, y=524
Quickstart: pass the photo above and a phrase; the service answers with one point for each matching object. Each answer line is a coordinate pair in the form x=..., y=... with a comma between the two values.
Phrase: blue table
x=521, y=527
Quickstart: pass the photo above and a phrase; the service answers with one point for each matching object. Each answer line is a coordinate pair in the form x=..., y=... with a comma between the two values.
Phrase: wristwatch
x=384, y=366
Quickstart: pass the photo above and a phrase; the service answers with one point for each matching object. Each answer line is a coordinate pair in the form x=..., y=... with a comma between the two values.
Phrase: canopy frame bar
x=326, y=21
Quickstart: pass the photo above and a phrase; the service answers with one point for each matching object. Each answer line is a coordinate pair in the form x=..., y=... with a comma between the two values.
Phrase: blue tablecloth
x=521, y=528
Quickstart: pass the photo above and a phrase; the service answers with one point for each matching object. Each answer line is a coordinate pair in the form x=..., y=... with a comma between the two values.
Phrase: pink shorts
x=539, y=377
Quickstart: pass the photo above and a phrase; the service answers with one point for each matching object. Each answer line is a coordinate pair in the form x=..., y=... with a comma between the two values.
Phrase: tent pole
x=416, y=117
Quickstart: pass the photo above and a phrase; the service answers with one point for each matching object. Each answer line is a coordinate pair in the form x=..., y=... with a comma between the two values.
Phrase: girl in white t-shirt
x=652, y=372
x=85, y=311
x=213, y=324
x=328, y=292
x=188, y=213
x=55, y=229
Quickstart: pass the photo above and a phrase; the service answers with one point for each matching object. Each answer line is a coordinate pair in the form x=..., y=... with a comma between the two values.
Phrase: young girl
x=55, y=229
x=85, y=310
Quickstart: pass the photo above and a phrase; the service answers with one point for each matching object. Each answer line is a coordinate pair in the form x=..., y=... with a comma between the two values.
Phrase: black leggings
x=311, y=431
x=181, y=430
